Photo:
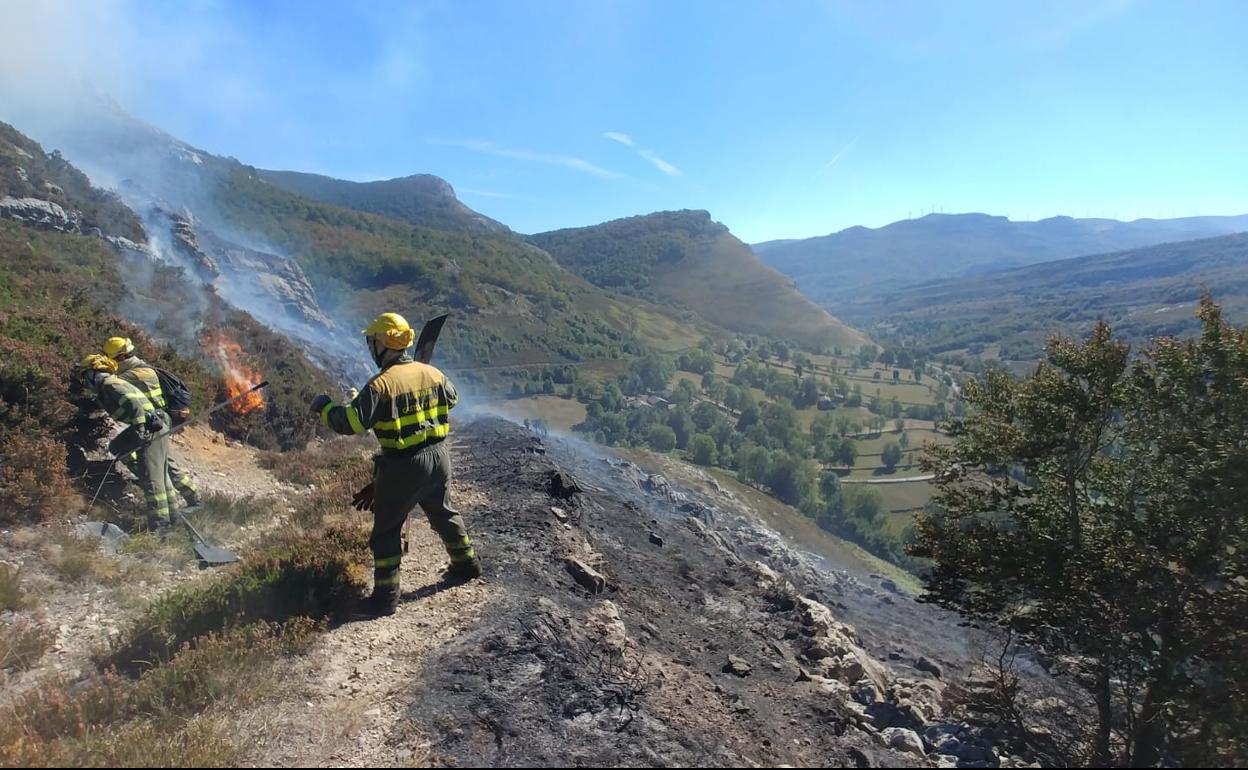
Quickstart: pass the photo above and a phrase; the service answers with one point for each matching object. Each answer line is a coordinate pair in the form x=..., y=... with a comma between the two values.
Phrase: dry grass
x=179, y=714
x=78, y=559
x=22, y=644
x=12, y=597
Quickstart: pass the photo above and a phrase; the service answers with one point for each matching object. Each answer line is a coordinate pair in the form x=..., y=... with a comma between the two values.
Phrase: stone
x=974, y=752
x=562, y=486
x=737, y=666
x=605, y=619
x=926, y=664
x=901, y=739
x=559, y=513
x=39, y=213
x=110, y=535
x=656, y=539
x=866, y=693
x=588, y=577
x=860, y=758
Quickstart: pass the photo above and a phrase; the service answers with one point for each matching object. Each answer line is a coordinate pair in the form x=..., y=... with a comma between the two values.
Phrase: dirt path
x=352, y=691
x=86, y=613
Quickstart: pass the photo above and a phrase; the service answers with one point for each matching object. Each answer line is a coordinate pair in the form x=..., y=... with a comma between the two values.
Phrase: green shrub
x=316, y=576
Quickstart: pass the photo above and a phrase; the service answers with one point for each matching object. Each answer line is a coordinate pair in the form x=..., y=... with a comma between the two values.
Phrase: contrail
x=844, y=150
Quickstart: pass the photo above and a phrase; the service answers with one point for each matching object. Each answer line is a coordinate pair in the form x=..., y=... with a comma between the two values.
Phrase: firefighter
x=147, y=429
x=407, y=406
x=142, y=375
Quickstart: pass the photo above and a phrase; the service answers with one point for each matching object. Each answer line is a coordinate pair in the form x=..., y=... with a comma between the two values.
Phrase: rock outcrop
x=39, y=213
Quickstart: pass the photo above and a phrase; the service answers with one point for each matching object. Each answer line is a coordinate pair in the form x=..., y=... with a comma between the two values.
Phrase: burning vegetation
x=238, y=377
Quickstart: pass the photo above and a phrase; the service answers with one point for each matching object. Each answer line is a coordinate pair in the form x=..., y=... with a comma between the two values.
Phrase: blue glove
x=319, y=403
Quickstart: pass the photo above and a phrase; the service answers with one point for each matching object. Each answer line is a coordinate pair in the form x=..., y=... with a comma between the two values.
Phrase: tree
x=653, y=372
x=749, y=416
x=752, y=462
x=842, y=424
x=682, y=426
x=718, y=391
x=807, y=394
x=863, y=503
x=661, y=438
x=820, y=428
x=705, y=414
x=855, y=397
x=792, y=479
x=697, y=361
x=702, y=449
x=891, y=455
x=1128, y=540
x=848, y=454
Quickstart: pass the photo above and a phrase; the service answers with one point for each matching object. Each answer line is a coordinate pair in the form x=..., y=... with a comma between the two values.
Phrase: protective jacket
x=407, y=406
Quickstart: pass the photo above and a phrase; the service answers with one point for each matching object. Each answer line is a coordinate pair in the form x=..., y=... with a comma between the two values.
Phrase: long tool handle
x=219, y=407
x=194, y=532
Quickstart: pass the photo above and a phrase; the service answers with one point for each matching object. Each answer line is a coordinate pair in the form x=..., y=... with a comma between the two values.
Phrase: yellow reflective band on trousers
x=389, y=561
x=392, y=580
x=414, y=439
x=460, y=550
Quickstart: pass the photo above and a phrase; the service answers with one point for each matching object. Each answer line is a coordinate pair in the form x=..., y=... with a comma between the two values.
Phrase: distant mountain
x=684, y=257
x=421, y=199
x=1141, y=292
x=862, y=262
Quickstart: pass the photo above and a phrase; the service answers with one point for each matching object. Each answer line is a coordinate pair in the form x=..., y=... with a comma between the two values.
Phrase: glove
x=363, y=500
x=319, y=403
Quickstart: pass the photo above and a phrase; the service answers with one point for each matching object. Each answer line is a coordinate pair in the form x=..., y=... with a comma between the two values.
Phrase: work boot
x=383, y=602
x=462, y=572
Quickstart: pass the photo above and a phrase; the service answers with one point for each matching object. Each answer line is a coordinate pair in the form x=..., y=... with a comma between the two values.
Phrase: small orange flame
x=239, y=377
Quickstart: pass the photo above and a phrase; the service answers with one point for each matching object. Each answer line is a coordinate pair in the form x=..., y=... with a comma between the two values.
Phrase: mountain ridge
x=843, y=266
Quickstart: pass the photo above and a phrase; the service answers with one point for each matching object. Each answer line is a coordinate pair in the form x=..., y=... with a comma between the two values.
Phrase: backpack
x=177, y=394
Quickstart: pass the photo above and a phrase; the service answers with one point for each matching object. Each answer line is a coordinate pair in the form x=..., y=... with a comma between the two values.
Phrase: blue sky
x=783, y=119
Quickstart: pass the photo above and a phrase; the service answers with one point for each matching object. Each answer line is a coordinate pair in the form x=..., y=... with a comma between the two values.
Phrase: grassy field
x=904, y=497
x=874, y=446
x=559, y=413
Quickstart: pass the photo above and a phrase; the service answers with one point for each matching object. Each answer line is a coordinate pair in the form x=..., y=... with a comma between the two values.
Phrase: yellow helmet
x=98, y=363
x=393, y=330
x=118, y=346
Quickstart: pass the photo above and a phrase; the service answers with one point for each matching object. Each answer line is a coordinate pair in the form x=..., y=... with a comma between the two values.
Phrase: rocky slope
x=623, y=621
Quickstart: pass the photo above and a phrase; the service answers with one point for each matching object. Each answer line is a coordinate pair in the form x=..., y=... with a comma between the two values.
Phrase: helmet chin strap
x=382, y=355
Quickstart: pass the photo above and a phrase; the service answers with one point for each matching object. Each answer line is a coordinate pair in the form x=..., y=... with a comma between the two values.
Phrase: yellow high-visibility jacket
x=407, y=406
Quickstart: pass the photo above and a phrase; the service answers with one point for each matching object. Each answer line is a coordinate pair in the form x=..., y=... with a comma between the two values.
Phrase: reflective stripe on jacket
x=124, y=402
x=407, y=406
x=141, y=375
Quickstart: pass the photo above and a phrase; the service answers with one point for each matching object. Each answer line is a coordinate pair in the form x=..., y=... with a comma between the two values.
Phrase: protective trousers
x=176, y=478
x=151, y=441
x=401, y=482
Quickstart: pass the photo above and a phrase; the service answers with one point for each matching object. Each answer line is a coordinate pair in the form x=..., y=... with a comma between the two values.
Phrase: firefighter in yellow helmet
x=142, y=375
x=147, y=427
x=407, y=406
